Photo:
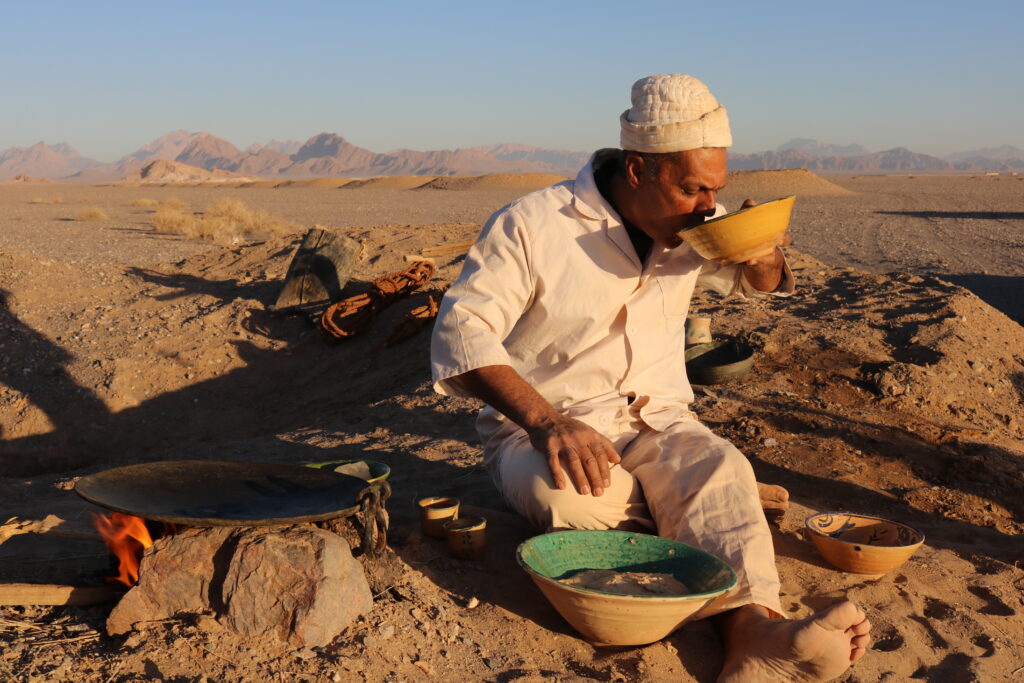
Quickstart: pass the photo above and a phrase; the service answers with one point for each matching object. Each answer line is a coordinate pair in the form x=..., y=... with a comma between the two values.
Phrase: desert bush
x=167, y=219
x=175, y=204
x=93, y=213
x=81, y=200
x=46, y=200
x=226, y=221
x=145, y=202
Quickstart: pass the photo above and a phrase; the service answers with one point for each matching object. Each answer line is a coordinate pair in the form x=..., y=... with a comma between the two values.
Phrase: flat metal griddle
x=225, y=493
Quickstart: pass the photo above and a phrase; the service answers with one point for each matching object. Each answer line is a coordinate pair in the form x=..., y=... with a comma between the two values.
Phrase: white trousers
x=684, y=483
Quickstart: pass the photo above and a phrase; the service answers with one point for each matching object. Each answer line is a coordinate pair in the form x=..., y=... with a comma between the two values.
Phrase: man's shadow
x=36, y=368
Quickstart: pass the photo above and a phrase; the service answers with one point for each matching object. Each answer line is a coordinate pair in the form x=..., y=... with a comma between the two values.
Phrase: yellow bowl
x=740, y=235
x=862, y=544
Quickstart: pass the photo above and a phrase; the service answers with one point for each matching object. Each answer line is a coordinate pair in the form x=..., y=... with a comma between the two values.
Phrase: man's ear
x=636, y=169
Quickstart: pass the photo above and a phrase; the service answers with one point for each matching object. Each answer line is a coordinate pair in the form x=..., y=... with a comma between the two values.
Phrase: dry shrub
x=174, y=204
x=228, y=220
x=47, y=200
x=93, y=213
x=145, y=202
x=81, y=200
x=172, y=220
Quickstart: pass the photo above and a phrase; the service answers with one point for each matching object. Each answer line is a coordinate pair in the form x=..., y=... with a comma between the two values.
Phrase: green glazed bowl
x=611, y=619
x=372, y=471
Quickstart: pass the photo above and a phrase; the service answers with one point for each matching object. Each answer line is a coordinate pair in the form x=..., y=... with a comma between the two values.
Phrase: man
x=567, y=320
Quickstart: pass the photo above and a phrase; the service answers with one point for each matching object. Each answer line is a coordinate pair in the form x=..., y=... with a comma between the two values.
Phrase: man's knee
x=699, y=457
x=554, y=508
x=532, y=492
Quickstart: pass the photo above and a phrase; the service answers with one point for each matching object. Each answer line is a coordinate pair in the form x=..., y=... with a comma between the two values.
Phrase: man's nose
x=706, y=202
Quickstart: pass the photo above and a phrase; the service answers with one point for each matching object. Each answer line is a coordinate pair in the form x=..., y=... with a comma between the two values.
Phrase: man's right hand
x=574, y=447
x=570, y=445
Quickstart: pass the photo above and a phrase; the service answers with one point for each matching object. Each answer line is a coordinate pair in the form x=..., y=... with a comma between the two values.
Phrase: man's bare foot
x=821, y=647
x=774, y=500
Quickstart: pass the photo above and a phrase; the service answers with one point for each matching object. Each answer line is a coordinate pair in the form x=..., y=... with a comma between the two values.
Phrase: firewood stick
x=50, y=526
x=54, y=594
x=444, y=250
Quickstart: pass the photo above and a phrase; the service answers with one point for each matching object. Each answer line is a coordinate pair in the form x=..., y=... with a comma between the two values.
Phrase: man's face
x=680, y=193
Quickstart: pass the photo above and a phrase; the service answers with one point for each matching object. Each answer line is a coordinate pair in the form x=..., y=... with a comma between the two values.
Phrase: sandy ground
x=892, y=384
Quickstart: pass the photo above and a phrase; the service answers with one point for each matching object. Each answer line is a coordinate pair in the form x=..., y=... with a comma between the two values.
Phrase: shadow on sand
x=1002, y=292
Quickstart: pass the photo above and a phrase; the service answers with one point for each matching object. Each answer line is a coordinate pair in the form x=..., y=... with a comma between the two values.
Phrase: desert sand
x=892, y=384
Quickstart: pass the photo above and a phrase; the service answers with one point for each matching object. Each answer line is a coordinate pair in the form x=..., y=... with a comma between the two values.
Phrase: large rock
x=302, y=586
x=298, y=584
x=175, y=577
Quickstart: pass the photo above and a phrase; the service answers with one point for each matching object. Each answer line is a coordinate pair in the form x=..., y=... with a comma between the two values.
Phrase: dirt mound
x=919, y=373
x=764, y=185
x=24, y=179
x=495, y=181
x=163, y=171
x=405, y=182
x=891, y=395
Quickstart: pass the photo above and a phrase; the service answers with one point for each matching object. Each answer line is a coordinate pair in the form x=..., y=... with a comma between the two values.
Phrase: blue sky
x=108, y=77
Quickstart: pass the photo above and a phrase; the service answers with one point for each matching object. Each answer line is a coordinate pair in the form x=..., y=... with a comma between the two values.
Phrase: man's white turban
x=673, y=113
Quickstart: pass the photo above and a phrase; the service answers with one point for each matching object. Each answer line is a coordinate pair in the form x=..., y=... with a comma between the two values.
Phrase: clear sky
x=109, y=77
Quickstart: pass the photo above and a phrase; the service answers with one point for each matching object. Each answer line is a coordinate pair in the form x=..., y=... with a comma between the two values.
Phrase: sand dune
x=407, y=182
x=314, y=182
x=495, y=181
x=763, y=185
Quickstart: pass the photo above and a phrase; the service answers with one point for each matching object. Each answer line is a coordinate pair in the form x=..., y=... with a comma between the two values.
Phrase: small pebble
x=472, y=603
x=770, y=442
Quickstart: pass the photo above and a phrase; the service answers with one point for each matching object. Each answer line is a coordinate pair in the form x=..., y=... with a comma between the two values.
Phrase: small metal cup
x=467, y=537
x=434, y=512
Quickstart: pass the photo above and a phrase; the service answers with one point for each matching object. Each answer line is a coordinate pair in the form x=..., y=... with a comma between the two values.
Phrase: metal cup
x=467, y=537
x=434, y=512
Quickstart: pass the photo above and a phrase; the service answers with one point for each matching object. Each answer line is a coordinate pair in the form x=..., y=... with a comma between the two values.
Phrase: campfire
x=252, y=543
x=127, y=537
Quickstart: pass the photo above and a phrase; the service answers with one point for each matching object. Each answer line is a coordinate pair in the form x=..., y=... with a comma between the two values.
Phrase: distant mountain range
x=824, y=158
x=328, y=154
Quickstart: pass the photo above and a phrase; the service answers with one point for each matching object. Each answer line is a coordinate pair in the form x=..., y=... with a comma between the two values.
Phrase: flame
x=127, y=537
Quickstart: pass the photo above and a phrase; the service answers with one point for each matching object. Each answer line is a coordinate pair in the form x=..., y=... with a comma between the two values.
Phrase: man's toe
x=842, y=616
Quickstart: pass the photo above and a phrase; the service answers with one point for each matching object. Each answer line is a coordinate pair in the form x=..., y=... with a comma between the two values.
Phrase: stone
x=298, y=584
x=301, y=585
x=174, y=578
